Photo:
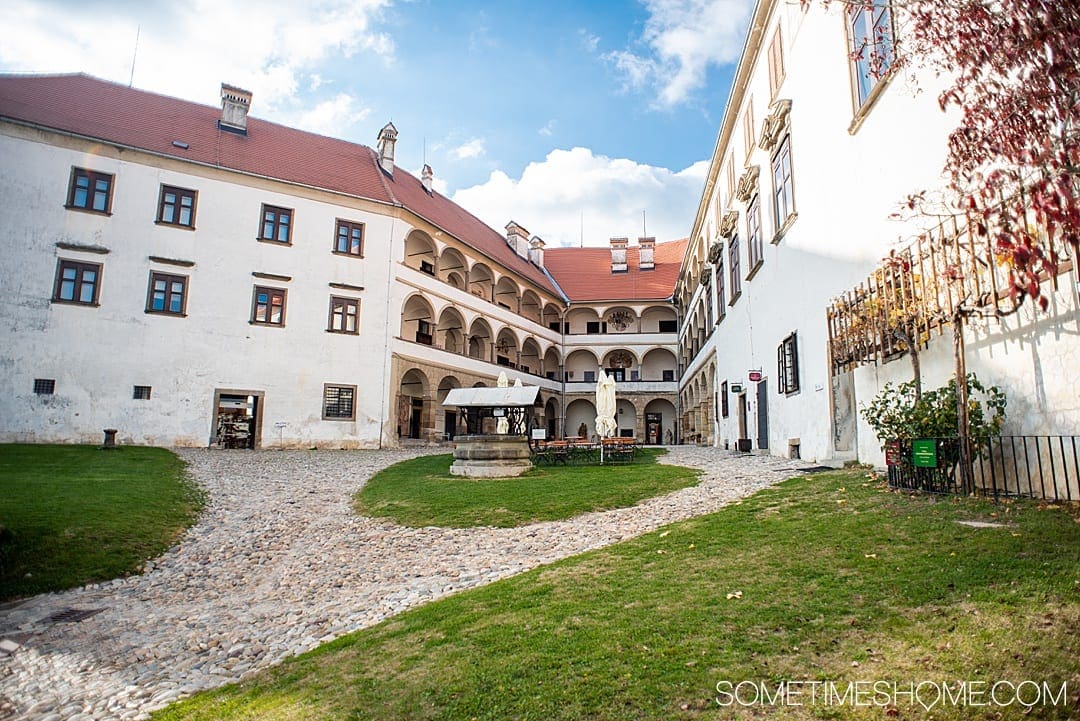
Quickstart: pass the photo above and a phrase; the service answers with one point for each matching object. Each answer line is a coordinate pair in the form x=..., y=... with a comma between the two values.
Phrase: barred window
x=787, y=365
x=44, y=386
x=141, y=393
x=339, y=403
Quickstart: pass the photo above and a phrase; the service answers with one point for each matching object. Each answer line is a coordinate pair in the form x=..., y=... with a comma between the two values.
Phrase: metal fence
x=1043, y=467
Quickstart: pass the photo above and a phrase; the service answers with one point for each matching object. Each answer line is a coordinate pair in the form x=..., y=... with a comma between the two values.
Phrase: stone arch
x=581, y=411
x=420, y=252
x=506, y=347
x=414, y=407
x=580, y=362
x=655, y=362
x=652, y=316
x=481, y=281
x=579, y=318
x=552, y=362
x=622, y=364
x=531, y=306
x=551, y=315
x=667, y=420
x=417, y=319
x=622, y=319
x=453, y=267
x=448, y=422
x=508, y=294
x=625, y=417
x=450, y=331
x=551, y=417
x=480, y=340
x=530, y=356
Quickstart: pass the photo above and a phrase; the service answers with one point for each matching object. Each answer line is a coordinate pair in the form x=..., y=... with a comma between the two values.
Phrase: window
x=870, y=37
x=141, y=393
x=350, y=238
x=339, y=403
x=783, y=196
x=176, y=207
x=426, y=266
x=730, y=179
x=748, y=128
x=90, y=191
x=276, y=224
x=718, y=281
x=668, y=375
x=268, y=306
x=753, y=233
x=77, y=282
x=723, y=400
x=44, y=386
x=423, y=332
x=594, y=327
x=668, y=326
x=167, y=295
x=733, y=261
x=787, y=365
x=590, y=376
x=344, y=315
x=776, y=63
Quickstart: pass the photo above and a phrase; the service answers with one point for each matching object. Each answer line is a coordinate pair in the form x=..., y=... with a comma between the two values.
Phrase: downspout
x=386, y=334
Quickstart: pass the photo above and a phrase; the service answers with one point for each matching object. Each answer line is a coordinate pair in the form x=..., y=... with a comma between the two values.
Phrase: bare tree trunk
x=963, y=425
x=913, y=351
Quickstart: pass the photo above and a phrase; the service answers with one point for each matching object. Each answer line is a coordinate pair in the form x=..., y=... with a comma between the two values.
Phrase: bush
x=893, y=413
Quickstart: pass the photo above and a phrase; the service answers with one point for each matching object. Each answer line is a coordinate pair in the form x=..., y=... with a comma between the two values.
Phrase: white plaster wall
x=96, y=355
x=846, y=186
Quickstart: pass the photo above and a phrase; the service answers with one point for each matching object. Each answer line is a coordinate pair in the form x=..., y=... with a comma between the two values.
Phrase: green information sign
x=924, y=453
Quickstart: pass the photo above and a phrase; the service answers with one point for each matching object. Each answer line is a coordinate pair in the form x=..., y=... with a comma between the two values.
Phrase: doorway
x=743, y=443
x=763, y=414
x=237, y=419
x=654, y=424
x=450, y=425
x=417, y=410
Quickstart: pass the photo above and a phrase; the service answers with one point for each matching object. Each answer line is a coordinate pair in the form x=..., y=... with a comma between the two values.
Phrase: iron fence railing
x=1042, y=467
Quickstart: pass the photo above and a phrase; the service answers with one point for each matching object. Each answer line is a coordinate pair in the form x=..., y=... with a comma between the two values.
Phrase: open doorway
x=237, y=419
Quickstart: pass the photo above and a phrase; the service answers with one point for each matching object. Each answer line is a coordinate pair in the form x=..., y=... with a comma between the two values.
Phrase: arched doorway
x=659, y=422
x=412, y=402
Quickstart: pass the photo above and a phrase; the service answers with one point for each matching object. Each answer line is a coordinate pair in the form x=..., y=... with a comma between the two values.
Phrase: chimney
x=235, y=103
x=426, y=176
x=518, y=239
x=645, y=253
x=618, y=255
x=536, y=251
x=387, y=139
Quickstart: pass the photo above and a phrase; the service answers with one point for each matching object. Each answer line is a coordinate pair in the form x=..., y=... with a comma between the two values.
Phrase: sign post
x=924, y=453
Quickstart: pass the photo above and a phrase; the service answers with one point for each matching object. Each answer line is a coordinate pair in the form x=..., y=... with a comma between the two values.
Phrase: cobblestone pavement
x=278, y=564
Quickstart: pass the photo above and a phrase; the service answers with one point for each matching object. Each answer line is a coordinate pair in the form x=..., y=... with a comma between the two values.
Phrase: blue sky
x=560, y=115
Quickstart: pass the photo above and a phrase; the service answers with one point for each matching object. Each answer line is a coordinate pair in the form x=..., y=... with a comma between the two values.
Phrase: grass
x=828, y=577
x=77, y=514
x=421, y=492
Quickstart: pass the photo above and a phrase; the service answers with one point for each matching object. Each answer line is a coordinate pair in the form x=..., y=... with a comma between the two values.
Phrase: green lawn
x=828, y=577
x=421, y=492
x=76, y=514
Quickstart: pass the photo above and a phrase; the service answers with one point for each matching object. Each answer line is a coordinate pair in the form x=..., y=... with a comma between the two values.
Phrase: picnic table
x=582, y=451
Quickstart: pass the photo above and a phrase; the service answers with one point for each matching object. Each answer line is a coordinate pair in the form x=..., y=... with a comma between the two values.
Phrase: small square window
x=668, y=375
x=268, y=306
x=276, y=224
x=141, y=393
x=77, y=283
x=344, y=315
x=167, y=294
x=349, y=239
x=44, y=386
x=339, y=403
x=590, y=376
x=176, y=207
x=90, y=191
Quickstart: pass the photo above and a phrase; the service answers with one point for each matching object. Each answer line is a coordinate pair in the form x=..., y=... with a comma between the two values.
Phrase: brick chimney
x=536, y=251
x=235, y=103
x=518, y=239
x=385, y=146
x=645, y=253
x=427, y=175
x=618, y=254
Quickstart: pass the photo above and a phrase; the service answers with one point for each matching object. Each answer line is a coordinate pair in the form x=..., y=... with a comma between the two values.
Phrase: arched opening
x=551, y=317
x=451, y=331
x=658, y=365
x=420, y=252
x=416, y=320
x=507, y=294
x=481, y=281
x=530, y=356
x=413, y=405
x=530, y=306
x=581, y=418
x=581, y=366
x=584, y=320
x=660, y=422
x=621, y=319
x=480, y=340
x=506, y=348
x=621, y=365
x=551, y=363
x=626, y=418
x=659, y=319
x=452, y=268
x=450, y=424
x=551, y=418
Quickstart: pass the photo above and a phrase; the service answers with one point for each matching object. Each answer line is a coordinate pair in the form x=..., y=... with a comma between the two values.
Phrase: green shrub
x=894, y=413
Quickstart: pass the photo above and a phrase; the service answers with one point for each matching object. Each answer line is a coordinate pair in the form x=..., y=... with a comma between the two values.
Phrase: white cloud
x=188, y=49
x=683, y=38
x=331, y=117
x=588, y=41
x=548, y=129
x=472, y=149
x=554, y=198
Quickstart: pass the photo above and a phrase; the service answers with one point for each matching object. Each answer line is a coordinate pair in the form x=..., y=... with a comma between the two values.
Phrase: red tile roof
x=585, y=273
x=102, y=110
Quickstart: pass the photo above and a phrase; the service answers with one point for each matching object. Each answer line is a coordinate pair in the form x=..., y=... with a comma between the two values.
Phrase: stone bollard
x=110, y=438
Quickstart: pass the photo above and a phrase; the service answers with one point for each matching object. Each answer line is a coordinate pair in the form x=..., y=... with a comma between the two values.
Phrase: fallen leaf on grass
x=664, y=533
x=734, y=594
x=869, y=555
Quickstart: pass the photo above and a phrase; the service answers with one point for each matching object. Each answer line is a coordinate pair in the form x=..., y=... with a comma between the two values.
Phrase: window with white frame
x=870, y=45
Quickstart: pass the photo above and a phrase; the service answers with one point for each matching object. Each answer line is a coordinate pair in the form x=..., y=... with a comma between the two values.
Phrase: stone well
x=490, y=456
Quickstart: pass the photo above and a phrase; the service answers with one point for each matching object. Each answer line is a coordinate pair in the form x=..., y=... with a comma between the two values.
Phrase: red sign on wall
x=892, y=453
x=755, y=376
